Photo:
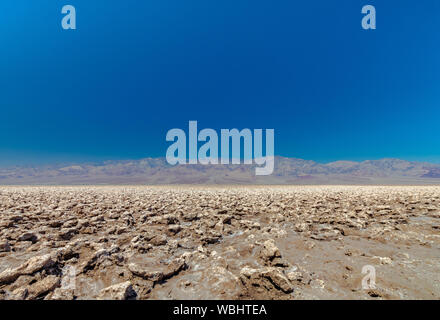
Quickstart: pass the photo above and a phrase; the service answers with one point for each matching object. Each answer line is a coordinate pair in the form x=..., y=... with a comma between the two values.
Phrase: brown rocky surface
x=223, y=242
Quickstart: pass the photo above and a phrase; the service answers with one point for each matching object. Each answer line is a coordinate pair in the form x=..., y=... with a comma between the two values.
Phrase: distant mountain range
x=154, y=171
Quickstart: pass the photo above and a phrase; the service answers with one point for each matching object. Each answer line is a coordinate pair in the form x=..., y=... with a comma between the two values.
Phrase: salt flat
x=219, y=242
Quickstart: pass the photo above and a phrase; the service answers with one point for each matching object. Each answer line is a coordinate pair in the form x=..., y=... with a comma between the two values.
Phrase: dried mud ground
x=190, y=242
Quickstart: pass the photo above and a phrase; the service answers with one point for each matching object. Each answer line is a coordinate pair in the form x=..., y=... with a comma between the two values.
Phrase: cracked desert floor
x=220, y=242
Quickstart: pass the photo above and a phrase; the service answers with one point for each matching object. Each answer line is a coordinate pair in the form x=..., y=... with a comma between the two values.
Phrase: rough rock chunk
x=271, y=255
x=97, y=258
x=145, y=273
x=29, y=267
x=19, y=294
x=43, y=287
x=4, y=246
x=120, y=291
x=67, y=234
x=279, y=280
x=265, y=282
x=174, y=268
x=326, y=235
x=174, y=229
x=157, y=274
x=28, y=236
x=159, y=240
x=60, y=294
x=270, y=251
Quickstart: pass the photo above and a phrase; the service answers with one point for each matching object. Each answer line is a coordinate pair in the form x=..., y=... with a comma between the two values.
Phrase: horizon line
x=97, y=162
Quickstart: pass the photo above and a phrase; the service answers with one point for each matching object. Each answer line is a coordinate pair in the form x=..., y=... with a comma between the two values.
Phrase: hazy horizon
x=30, y=162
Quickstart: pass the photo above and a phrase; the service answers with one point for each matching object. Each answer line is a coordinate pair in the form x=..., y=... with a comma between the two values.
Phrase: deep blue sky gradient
x=135, y=69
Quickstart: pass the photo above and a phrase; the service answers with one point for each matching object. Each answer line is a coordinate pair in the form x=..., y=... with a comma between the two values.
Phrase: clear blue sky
x=135, y=69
